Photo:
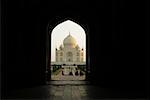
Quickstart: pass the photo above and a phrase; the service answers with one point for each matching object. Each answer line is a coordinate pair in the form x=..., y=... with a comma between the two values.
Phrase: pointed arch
x=55, y=22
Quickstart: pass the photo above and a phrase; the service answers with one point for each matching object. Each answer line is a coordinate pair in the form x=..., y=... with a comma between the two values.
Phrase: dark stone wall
x=117, y=41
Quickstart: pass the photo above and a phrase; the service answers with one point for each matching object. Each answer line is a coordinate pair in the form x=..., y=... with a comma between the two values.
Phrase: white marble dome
x=70, y=41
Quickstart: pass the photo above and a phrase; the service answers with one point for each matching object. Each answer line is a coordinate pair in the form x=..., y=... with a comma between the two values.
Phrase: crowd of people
x=74, y=72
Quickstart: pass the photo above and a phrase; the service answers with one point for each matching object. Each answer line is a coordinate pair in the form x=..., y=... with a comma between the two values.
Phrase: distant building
x=69, y=55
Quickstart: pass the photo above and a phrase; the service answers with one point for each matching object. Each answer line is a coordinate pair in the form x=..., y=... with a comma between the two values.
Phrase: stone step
x=68, y=82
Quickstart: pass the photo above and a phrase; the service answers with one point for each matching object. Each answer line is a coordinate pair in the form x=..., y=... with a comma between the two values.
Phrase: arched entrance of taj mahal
x=68, y=58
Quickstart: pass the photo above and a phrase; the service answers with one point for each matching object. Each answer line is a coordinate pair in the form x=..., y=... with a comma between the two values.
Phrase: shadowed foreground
x=66, y=91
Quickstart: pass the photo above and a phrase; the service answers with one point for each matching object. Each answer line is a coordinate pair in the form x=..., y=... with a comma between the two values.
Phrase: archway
x=72, y=60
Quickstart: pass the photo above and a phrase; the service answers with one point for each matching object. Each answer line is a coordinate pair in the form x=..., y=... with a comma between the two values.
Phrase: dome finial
x=69, y=33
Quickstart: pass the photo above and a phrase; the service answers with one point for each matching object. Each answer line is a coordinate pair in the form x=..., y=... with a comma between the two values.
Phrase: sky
x=62, y=30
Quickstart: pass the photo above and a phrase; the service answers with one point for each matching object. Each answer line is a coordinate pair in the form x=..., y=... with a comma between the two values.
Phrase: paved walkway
x=59, y=76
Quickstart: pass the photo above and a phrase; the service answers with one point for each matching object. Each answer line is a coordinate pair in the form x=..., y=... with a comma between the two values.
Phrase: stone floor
x=67, y=91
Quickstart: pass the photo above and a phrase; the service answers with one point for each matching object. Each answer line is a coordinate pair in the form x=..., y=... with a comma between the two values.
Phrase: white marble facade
x=69, y=52
x=69, y=55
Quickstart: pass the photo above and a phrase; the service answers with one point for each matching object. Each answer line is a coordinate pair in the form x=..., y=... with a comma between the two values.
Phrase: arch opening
x=68, y=52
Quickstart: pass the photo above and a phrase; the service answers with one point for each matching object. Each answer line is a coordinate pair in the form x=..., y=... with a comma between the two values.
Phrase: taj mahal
x=69, y=56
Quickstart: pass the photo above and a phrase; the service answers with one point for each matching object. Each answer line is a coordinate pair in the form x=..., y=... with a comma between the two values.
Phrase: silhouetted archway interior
x=50, y=27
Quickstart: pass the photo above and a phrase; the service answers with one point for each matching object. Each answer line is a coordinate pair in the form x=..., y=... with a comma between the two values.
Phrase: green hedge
x=55, y=68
